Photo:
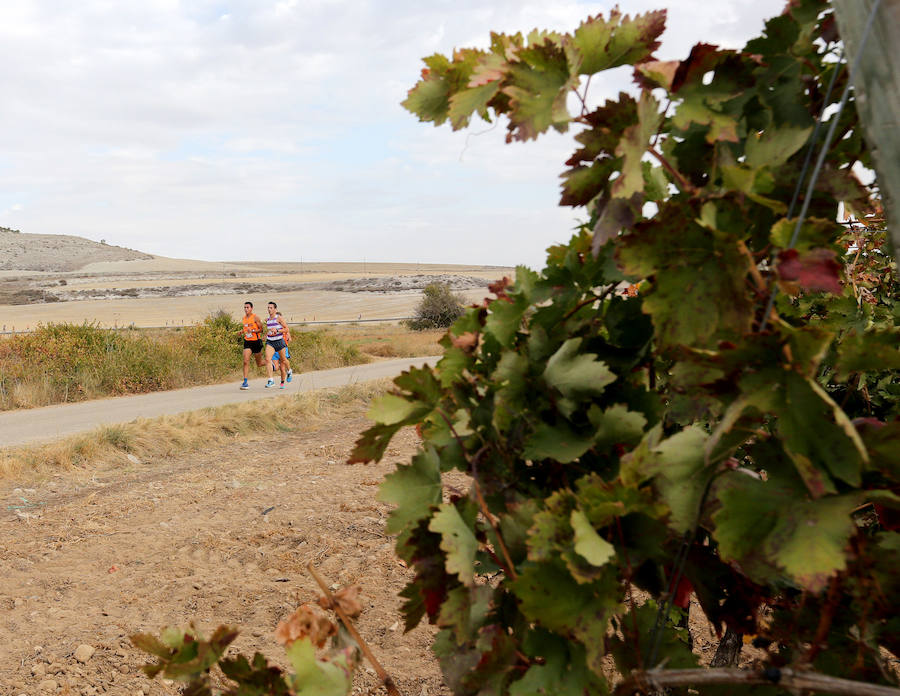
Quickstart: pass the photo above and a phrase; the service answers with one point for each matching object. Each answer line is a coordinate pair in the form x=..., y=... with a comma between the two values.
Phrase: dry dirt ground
x=90, y=557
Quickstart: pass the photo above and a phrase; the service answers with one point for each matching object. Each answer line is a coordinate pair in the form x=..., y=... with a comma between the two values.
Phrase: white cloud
x=251, y=129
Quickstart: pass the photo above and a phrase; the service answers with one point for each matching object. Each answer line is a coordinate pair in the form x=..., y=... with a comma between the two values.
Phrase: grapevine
x=628, y=449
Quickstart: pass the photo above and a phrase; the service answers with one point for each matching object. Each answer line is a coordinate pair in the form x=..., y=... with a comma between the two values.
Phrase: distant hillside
x=20, y=251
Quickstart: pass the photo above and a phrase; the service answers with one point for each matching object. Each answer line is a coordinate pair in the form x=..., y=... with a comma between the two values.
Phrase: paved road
x=32, y=425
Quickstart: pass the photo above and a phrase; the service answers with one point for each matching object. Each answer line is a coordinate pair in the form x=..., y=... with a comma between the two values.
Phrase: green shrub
x=439, y=308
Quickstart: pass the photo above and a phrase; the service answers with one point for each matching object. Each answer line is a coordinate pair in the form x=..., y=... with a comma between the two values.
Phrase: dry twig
x=348, y=624
x=655, y=680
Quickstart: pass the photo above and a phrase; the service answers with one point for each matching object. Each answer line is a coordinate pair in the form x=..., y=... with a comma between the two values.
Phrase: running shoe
x=290, y=375
x=245, y=385
x=270, y=383
x=283, y=385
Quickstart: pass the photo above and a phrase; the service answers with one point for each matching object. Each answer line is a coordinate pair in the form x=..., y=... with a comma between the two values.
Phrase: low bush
x=439, y=308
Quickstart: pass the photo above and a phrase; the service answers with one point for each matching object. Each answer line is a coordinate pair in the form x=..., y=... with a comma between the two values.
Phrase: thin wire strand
x=815, y=136
x=822, y=154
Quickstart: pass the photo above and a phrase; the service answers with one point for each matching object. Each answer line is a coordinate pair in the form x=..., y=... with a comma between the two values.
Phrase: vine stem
x=683, y=183
x=647, y=681
x=629, y=575
x=510, y=568
x=385, y=678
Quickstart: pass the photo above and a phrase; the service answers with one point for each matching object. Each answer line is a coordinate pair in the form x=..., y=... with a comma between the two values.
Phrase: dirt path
x=28, y=426
x=219, y=536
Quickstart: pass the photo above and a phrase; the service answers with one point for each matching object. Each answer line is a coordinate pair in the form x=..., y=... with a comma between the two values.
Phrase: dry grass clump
x=390, y=341
x=151, y=438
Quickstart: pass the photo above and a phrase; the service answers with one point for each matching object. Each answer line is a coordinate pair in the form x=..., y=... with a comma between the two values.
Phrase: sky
x=259, y=130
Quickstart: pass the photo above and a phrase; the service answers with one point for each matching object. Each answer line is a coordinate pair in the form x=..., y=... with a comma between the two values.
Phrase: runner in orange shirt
x=251, y=330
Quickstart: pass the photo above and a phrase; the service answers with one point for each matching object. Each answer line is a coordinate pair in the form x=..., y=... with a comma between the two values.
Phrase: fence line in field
x=298, y=324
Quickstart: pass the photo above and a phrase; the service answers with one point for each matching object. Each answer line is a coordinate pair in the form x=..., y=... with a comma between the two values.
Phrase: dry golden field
x=175, y=292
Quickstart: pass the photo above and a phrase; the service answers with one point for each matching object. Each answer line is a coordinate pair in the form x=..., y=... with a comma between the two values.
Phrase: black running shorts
x=254, y=346
x=278, y=344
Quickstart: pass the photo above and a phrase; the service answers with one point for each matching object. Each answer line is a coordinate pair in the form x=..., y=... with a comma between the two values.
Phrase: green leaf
x=871, y=351
x=604, y=44
x=677, y=468
x=774, y=146
x=558, y=442
x=468, y=101
x=549, y=595
x=538, y=86
x=634, y=144
x=314, y=677
x=588, y=544
x=393, y=409
x=457, y=541
x=562, y=673
x=722, y=126
x=464, y=611
x=413, y=489
x=616, y=426
x=372, y=443
x=574, y=373
x=770, y=529
x=430, y=98
x=700, y=288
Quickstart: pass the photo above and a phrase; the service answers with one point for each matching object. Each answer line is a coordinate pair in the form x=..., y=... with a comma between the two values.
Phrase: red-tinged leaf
x=620, y=40
x=498, y=287
x=430, y=98
x=703, y=58
x=490, y=68
x=617, y=214
x=633, y=145
x=581, y=185
x=656, y=73
x=538, y=87
x=606, y=124
x=306, y=622
x=816, y=270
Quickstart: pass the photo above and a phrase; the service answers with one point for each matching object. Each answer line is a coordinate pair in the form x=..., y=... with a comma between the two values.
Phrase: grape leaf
x=537, y=86
x=817, y=269
x=677, y=467
x=588, y=544
x=314, y=677
x=633, y=145
x=468, y=101
x=774, y=146
x=574, y=373
x=465, y=610
x=870, y=351
x=769, y=529
x=616, y=426
x=393, y=409
x=429, y=99
x=605, y=44
x=549, y=595
x=413, y=489
x=457, y=541
x=558, y=442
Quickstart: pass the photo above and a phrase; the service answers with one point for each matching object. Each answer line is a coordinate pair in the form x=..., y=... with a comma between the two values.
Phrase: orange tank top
x=251, y=327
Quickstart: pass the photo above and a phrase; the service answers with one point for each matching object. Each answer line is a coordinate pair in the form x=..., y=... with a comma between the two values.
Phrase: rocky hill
x=20, y=251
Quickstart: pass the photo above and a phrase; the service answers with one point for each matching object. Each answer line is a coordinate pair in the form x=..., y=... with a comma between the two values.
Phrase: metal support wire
x=822, y=154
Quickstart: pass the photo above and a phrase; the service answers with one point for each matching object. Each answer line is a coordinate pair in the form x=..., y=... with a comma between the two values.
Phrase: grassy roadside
x=387, y=340
x=63, y=363
x=153, y=438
